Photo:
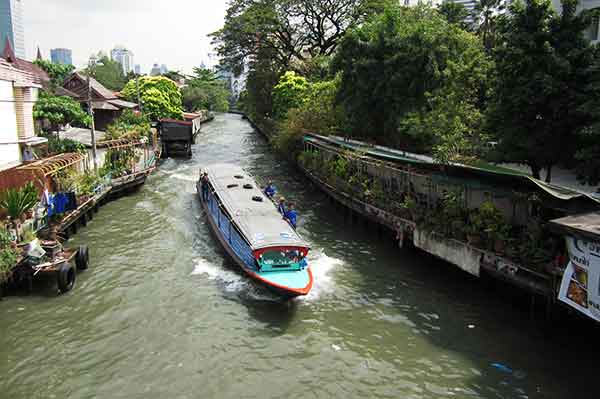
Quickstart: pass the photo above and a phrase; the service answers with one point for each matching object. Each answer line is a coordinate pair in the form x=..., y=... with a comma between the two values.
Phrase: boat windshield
x=286, y=259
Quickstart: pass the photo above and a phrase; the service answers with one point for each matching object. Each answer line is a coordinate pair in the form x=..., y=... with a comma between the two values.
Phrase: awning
x=120, y=143
x=50, y=166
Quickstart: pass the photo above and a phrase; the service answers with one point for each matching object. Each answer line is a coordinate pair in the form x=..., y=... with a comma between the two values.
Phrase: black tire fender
x=82, y=259
x=65, y=277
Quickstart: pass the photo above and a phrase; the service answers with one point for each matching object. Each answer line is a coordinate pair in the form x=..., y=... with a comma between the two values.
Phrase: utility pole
x=91, y=112
x=137, y=88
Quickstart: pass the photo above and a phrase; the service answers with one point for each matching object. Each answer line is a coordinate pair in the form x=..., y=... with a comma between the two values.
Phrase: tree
x=543, y=67
x=58, y=72
x=160, y=97
x=109, y=73
x=455, y=13
x=204, y=90
x=587, y=155
x=487, y=11
x=59, y=111
x=397, y=68
x=175, y=76
x=290, y=92
x=289, y=29
x=130, y=124
x=317, y=112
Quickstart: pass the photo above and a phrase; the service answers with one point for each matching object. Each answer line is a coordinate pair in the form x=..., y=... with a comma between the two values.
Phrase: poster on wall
x=580, y=287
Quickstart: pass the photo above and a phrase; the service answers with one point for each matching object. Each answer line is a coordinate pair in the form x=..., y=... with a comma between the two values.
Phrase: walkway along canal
x=162, y=312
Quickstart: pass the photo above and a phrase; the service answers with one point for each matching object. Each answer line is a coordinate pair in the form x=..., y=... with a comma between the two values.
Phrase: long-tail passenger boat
x=253, y=232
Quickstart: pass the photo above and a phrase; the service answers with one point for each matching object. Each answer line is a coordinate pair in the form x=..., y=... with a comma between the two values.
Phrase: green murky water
x=163, y=314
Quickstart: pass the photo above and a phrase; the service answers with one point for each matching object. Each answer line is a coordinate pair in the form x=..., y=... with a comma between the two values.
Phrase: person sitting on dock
x=281, y=206
x=204, y=180
x=270, y=190
x=291, y=216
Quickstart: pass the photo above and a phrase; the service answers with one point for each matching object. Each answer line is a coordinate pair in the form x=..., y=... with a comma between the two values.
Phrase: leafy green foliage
x=587, y=155
x=118, y=162
x=288, y=29
x=317, y=113
x=543, y=71
x=130, y=124
x=109, y=73
x=205, y=91
x=8, y=256
x=455, y=13
x=58, y=72
x=57, y=145
x=86, y=183
x=290, y=92
x=487, y=12
x=160, y=97
x=398, y=69
x=60, y=110
x=17, y=201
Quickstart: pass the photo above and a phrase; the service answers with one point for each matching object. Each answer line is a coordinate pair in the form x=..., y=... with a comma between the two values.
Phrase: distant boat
x=253, y=232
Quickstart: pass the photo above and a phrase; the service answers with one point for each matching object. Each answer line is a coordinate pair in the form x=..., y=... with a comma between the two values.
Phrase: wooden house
x=106, y=104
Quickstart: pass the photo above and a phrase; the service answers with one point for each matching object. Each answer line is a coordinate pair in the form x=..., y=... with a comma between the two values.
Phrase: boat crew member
x=291, y=216
x=204, y=181
x=281, y=206
x=270, y=190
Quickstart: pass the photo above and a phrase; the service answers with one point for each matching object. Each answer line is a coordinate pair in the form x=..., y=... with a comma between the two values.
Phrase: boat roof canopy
x=258, y=221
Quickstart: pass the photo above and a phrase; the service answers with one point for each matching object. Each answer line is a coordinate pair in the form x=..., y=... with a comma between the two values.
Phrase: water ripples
x=163, y=313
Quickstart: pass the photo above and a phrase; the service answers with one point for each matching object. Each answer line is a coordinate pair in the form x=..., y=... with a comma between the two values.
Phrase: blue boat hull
x=286, y=284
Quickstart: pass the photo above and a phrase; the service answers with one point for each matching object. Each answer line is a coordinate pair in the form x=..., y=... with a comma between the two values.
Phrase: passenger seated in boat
x=270, y=190
x=291, y=215
x=281, y=206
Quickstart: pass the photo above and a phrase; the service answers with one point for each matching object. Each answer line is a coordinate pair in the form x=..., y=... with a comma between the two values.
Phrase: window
x=591, y=33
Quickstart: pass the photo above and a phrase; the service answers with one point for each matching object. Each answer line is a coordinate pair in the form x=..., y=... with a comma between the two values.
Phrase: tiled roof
x=97, y=87
x=40, y=76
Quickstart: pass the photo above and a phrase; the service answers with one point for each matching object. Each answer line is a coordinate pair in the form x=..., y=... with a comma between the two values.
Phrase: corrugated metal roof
x=123, y=104
x=587, y=224
x=259, y=222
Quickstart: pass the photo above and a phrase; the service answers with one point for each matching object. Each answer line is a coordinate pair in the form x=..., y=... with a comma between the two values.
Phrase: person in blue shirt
x=270, y=190
x=281, y=206
x=291, y=216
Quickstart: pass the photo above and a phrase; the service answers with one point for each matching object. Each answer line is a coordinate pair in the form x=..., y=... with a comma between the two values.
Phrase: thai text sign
x=580, y=287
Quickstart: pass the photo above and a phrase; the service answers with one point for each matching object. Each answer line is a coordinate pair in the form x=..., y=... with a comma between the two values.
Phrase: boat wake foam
x=322, y=267
x=231, y=281
x=183, y=177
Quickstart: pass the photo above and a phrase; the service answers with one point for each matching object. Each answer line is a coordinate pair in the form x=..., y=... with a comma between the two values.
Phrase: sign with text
x=580, y=287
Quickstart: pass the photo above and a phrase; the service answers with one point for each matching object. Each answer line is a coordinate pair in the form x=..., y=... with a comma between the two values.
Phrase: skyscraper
x=61, y=56
x=11, y=25
x=123, y=57
x=137, y=69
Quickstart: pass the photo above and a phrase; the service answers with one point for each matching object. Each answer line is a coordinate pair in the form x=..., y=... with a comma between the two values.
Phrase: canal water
x=162, y=313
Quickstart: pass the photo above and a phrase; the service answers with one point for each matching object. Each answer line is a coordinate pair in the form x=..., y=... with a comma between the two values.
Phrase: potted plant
x=16, y=202
x=8, y=257
x=501, y=234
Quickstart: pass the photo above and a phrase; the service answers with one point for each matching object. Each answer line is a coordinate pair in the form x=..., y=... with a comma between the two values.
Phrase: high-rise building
x=61, y=56
x=11, y=25
x=155, y=70
x=163, y=69
x=592, y=32
x=124, y=57
x=137, y=69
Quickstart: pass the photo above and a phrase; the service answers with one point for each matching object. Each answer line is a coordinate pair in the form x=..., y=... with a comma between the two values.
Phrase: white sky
x=171, y=32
